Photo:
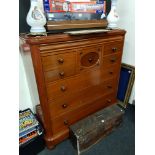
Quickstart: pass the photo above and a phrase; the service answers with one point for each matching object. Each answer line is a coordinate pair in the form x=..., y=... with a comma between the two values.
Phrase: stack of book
x=29, y=127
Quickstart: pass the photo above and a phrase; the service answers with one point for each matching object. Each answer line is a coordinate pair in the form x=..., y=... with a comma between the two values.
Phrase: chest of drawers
x=76, y=76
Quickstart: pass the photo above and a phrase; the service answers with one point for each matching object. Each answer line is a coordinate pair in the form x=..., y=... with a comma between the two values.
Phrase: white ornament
x=113, y=16
x=65, y=6
x=35, y=18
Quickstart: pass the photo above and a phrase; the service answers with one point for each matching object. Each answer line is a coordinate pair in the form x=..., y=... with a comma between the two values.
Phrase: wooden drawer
x=113, y=59
x=72, y=85
x=59, y=66
x=113, y=47
x=76, y=114
x=61, y=60
x=62, y=105
x=59, y=73
x=89, y=57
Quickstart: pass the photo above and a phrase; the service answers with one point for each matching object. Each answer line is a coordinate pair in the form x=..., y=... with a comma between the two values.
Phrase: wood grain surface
x=76, y=76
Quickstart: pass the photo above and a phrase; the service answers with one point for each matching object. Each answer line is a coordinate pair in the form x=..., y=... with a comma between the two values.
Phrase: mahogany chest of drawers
x=76, y=76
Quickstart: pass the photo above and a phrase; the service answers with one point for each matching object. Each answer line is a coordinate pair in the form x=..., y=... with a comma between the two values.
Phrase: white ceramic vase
x=35, y=18
x=113, y=16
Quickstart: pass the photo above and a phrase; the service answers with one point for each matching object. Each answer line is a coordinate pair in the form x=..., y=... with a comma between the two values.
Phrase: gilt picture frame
x=126, y=81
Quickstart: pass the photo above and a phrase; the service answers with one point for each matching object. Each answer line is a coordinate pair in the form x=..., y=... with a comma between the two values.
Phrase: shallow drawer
x=55, y=61
x=76, y=114
x=62, y=105
x=114, y=59
x=59, y=73
x=75, y=84
x=113, y=47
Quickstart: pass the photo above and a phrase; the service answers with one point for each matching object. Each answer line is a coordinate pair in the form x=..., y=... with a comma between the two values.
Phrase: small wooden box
x=93, y=128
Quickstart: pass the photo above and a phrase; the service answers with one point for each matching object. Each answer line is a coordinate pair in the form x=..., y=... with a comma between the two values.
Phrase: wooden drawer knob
x=64, y=105
x=90, y=60
x=114, y=49
x=61, y=60
x=109, y=86
x=66, y=122
x=108, y=101
x=113, y=60
x=62, y=74
x=111, y=72
x=63, y=88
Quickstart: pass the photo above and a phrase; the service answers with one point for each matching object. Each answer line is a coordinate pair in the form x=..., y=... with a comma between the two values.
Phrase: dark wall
x=24, y=6
x=108, y=6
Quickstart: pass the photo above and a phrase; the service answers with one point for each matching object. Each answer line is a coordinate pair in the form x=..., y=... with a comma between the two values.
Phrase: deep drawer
x=76, y=114
x=67, y=87
x=62, y=105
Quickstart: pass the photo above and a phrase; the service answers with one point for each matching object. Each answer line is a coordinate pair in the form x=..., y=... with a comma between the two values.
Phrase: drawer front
x=54, y=61
x=69, y=86
x=89, y=57
x=59, y=73
x=113, y=47
x=59, y=66
x=110, y=60
x=90, y=94
x=76, y=114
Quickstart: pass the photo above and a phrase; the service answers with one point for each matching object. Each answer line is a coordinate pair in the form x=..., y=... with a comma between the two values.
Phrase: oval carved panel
x=89, y=59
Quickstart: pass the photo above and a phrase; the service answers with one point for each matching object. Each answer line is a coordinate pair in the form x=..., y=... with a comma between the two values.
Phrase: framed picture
x=126, y=81
x=76, y=14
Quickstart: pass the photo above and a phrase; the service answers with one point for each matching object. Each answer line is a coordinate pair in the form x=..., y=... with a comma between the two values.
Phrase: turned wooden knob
x=65, y=122
x=114, y=49
x=113, y=59
x=90, y=60
x=108, y=101
x=63, y=88
x=111, y=72
x=62, y=74
x=61, y=60
x=109, y=87
x=64, y=105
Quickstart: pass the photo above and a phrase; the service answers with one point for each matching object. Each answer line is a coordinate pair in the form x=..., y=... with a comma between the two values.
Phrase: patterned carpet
x=119, y=142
